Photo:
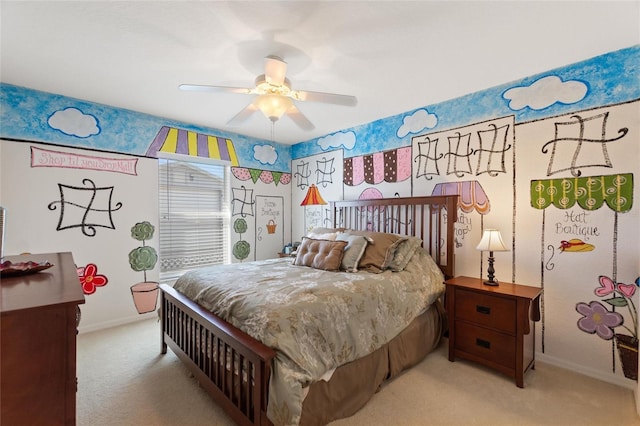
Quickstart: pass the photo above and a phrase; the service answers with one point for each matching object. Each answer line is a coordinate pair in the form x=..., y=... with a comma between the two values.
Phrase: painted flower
x=597, y=319
x=90, y=279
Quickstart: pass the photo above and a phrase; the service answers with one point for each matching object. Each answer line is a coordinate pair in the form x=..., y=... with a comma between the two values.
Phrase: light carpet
x=124, y=380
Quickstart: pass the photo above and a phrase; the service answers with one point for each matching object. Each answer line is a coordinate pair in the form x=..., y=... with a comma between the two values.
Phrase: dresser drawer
x=487, y=344
x=485, y=309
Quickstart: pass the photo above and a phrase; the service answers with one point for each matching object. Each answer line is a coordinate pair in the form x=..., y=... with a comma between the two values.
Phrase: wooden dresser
x=38, y=328
x=493, y=325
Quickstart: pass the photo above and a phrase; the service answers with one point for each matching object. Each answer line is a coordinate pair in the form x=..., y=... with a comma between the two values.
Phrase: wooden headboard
x=432, y=219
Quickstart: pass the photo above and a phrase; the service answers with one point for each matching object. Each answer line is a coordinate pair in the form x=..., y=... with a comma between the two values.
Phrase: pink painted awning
x=388, y=166
x=472, y=196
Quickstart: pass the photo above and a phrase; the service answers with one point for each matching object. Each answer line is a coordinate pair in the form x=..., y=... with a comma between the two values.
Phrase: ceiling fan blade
x=299, y=118
x=243, y=115
x=275, y=70
x=327, y=98
x=205, y=88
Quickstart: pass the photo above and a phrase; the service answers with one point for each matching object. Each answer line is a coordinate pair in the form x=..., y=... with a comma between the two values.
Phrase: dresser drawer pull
x=483, y=309
x=483, y=343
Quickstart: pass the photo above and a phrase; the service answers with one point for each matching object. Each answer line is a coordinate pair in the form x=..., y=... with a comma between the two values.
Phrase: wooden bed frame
x=233, y=367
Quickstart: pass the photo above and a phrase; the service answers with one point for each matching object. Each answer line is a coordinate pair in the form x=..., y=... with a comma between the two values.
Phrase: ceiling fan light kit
x=273, y=106
x=274, y=96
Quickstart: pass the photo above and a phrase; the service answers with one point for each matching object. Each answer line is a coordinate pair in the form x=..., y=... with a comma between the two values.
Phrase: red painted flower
x=90, y=279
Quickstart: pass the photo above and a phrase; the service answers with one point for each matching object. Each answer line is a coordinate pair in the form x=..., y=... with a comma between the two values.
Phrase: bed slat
x=225, y=361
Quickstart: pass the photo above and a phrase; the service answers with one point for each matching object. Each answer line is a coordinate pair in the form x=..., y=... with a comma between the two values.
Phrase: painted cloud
x=346, y=139
x=266, y=154
x=414, y=123
x=73, y=122
x=545, y=92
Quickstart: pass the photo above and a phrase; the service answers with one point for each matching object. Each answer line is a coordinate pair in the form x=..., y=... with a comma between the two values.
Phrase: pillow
x=323, y=230
x=331, y=236
x=353, y=252
x=403, y=254
x=378, y=253
x=320, y=254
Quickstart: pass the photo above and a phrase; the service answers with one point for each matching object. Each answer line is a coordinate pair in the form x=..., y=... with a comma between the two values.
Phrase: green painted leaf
x=619, y=302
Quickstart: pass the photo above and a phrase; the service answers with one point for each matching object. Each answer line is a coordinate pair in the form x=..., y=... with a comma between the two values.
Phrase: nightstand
x=493, y=326
x=281, y=254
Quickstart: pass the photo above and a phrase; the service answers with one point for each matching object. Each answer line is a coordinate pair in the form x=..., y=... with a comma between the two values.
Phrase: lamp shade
x=491, y=241
x=313, y=197
x=273, y=106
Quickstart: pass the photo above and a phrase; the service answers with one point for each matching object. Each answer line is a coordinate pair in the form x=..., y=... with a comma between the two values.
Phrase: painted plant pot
x=628, y=351
x=145, y=296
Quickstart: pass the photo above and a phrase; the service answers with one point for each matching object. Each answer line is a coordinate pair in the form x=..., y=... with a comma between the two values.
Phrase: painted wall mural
x=51, y=158
x=583, y=190
x=575, y=125
x=260, y=200
x=550, y=161
x=77, y=203
x=73, y=122
x=269, y=226
x=185, y=142
x=32, y=115
x=477, y=162
x=266, y=176
x=601, y=320
x=389, y=166
x=241, y=248
x=142, y=259
x=90, y=279
x=325, y=172
x=86, y=207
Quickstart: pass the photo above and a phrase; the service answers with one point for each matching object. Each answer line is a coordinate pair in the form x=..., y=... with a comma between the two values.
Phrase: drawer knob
x=483, y=343
x=483, y=309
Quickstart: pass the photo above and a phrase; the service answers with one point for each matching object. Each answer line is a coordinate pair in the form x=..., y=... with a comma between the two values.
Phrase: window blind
x=194, y=216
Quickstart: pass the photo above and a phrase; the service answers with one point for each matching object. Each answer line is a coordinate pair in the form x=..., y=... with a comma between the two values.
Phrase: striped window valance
x=589, y=192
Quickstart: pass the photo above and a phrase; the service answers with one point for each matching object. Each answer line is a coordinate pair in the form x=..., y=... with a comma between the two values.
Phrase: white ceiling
x=393, y=56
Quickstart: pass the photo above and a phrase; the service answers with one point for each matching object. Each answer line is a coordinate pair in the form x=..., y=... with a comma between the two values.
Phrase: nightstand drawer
x=485, y=309
x=487, y=344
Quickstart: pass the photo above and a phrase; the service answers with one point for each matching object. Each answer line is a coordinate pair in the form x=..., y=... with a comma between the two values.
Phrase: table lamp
x=491, y=241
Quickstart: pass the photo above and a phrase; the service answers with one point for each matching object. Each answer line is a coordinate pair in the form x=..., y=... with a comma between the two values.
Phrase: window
x=194, y=214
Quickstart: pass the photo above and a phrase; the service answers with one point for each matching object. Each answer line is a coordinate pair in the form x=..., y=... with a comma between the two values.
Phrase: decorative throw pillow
x=331, y=236
x=320, y=254
x=323, y=230
x=378, y=253
x=403, y=254
x=353, y=252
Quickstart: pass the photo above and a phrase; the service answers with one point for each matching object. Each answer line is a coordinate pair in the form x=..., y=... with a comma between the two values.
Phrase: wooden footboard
x=230, y=365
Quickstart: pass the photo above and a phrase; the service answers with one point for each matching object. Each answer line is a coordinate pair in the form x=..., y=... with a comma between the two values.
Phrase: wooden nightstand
x=281, y=254
x=493, y=326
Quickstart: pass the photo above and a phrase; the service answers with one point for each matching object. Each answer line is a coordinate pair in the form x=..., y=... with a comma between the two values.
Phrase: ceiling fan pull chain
x=273, y=131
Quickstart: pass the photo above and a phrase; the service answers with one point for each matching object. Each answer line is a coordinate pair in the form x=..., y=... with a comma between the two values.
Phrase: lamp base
x=491, y=282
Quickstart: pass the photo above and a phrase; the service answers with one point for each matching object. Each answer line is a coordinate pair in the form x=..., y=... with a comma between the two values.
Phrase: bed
x=247, y=378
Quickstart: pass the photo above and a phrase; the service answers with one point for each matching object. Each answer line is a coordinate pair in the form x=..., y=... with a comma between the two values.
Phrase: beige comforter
x=315, y=320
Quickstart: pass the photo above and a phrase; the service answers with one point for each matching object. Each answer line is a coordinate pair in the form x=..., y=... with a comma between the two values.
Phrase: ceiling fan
x=275, y=96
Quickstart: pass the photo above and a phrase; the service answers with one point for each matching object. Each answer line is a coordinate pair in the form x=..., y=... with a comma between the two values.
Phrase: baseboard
x=619, y=381
x=116, y=323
